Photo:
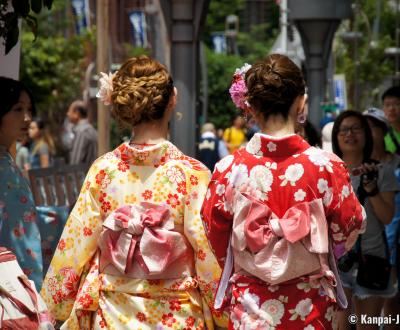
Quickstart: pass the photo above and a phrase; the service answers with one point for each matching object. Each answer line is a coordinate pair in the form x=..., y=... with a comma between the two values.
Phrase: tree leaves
x=20, y=9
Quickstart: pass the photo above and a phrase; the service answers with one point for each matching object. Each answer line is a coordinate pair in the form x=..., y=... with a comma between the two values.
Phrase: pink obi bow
x=142, y=234
x=279, y=249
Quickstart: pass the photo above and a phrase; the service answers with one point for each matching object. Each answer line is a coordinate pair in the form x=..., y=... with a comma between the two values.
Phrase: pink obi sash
x=275, y=249
x=140, y=242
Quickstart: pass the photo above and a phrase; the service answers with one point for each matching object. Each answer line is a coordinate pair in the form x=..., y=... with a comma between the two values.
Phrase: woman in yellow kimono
x=133, y=254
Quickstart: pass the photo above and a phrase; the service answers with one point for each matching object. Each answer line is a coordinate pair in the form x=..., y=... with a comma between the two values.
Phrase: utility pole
x=103, y=113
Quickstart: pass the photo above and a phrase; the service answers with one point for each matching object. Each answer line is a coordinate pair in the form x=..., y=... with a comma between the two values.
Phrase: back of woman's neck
x=149, y=133
x=277, y=126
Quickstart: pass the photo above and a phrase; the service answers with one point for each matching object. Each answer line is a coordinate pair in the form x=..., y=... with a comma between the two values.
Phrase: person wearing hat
x=380, y=127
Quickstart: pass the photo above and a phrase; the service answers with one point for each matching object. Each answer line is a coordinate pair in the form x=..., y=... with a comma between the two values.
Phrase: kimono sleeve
x=208, y=271
x=77, y=245
x=345, y=215
x=217, y=216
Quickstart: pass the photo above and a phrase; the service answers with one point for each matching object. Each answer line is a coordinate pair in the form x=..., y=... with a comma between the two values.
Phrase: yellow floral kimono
x=90, y=286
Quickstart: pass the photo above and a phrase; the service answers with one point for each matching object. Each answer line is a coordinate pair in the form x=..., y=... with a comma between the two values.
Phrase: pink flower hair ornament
x=106, y=87
x=238, y=88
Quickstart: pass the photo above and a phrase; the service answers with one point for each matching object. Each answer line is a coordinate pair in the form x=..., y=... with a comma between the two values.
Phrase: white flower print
x=309, y=327
x=208, y=194
x=328, y=197
x=302, y=309
x=338, y=237
x=261, y=178
x=254, y=145
x=335, y=227
x=175, y=174
x=322, y=185
x=319, y=158
x=220, y=190
x=273, y=288
x=292, y=174
x=275, y=309
x=272, y=166
x=224, y=163
x=307, y=286
x=271, y=146
x=239, y=175
x=252, y=316
x=330, y=313
x=299, y=195
x=345, y=192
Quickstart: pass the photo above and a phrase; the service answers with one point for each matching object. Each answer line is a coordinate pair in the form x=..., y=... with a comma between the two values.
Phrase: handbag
x=373, y=271
x=21, y=307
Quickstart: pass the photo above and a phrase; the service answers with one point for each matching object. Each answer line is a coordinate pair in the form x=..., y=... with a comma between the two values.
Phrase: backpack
x=21, y=307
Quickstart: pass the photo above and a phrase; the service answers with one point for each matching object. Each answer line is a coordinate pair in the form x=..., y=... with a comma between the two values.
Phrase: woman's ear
x=302, y=107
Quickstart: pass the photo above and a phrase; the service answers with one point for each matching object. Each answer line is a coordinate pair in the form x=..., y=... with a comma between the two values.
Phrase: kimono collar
x=271, y=146
x=153, y=155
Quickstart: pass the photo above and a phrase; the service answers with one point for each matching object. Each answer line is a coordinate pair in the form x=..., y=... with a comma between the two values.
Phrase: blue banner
x=79, y=9
x=139, y=28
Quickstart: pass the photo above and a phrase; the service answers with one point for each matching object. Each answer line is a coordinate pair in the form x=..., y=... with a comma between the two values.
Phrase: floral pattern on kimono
x=281, y=173
x=18, y=219
x=79, y=293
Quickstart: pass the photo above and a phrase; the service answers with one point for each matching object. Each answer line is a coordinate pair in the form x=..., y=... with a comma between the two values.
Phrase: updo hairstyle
x=142, y=88
x=273, y=84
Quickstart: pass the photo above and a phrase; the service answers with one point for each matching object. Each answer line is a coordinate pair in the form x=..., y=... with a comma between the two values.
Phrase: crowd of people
x=274, y=226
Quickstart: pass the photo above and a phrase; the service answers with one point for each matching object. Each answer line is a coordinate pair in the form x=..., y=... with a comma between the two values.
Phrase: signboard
x=139, y=28
x=339, y=83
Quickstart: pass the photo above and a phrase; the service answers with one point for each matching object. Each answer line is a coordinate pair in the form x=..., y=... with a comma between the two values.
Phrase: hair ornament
x=106, y=87
x=238, y=88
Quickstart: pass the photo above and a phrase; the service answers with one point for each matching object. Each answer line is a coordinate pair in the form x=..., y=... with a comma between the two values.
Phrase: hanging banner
x=79, y=9
x=219, y=42
x=339, y=83
x=139, y=28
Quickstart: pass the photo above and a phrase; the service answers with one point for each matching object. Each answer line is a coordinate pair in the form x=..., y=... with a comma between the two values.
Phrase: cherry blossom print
x=87, y=231
x=85, y=301
x=61, y=245
x=224, y=163
x=307, y=286
x=208, y=194
x=328, y=197
x=141, y=317
x=194, y=180
x=168, y=320
x=175, y=174
x=299, y=195
x=271, y=146
x=254, y=145
x=345, y=192
x=239, y=175
x=292, y=174
x=319, y=158
x=173, y=200
x=181, y=188
x=23, y=199
x=261, y=178
x=273, y=288
x=275, y=309
x=322, y=185
x=190, y=321
x=175, y=305
x=201, y=255
x=271, y=166
x=147, y=194
x=310, y=327
x=220, y=190
x=302, y=309
x=123, y=166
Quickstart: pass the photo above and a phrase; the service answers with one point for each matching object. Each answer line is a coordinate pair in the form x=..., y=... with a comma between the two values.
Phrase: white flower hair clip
x=106, y=87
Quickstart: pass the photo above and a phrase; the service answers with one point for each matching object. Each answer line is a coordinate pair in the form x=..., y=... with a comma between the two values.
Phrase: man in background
x=211, y=148
x=84, y=145
x=391, y=108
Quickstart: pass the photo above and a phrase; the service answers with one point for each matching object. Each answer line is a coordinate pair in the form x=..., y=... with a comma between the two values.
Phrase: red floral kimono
x=281, y=208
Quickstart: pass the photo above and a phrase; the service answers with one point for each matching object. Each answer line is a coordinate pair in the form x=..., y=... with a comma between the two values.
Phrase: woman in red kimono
x=278, y=212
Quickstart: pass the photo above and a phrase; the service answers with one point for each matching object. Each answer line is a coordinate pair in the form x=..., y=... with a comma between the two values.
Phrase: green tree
x=372, y=66
x=253, y=46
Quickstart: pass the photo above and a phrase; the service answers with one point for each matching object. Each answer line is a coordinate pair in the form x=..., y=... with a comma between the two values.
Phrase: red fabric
x=282, y=173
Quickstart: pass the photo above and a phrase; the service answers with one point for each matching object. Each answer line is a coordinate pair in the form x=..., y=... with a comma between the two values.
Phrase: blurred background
x=202, y=43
